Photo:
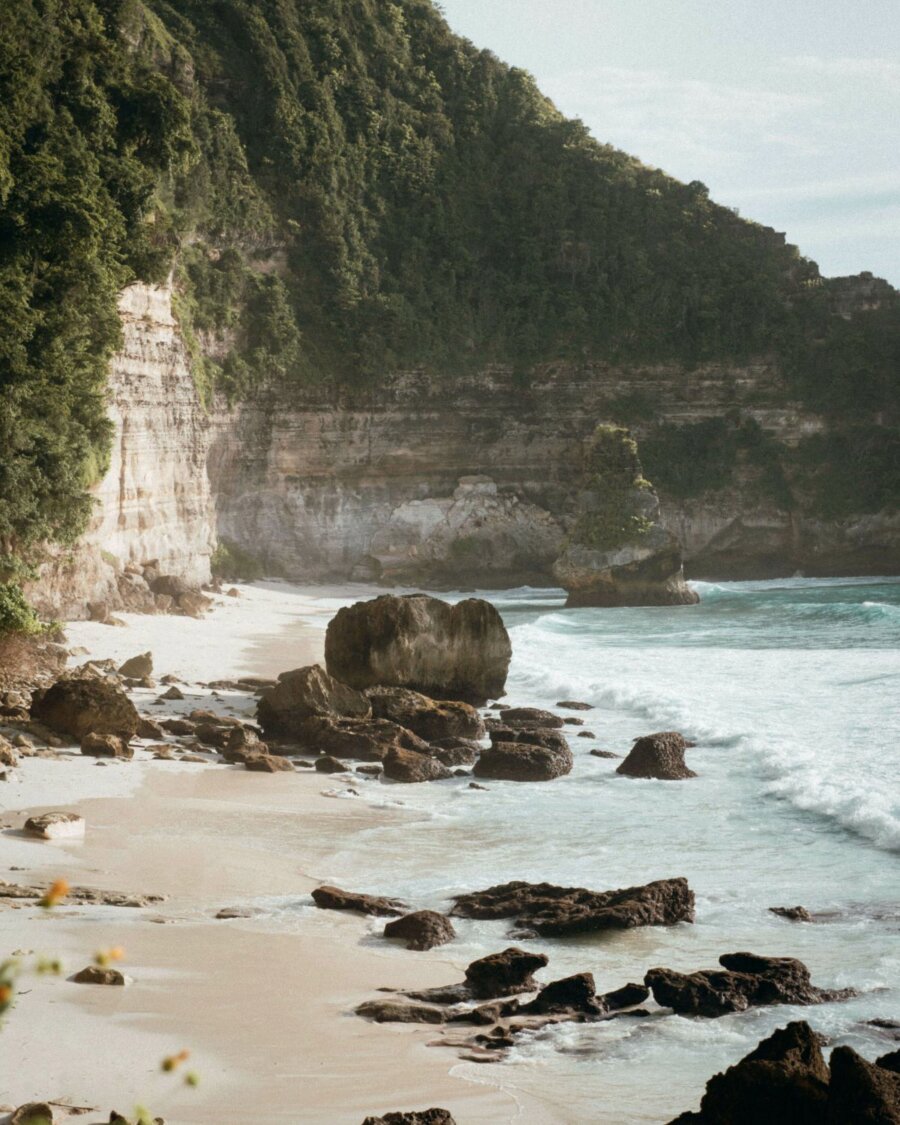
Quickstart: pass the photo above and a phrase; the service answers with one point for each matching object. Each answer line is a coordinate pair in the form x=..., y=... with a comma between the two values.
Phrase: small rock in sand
x=106, y=746
x=173, y=693
x=32, y=1113
x=333, y=898
x=432, y=1116
x=93, y=974
x=265, y=763
x=150, y=729
x=328, y=764
x=234, y=912
x=138, y=667
x=56, y=826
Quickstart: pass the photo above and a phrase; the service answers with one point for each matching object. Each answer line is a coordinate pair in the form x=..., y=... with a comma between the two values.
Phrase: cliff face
x=154, y=502
x=471, y=482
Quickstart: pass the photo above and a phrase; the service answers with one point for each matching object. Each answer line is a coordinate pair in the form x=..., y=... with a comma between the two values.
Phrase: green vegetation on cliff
x=617, y=502
x=343, y=188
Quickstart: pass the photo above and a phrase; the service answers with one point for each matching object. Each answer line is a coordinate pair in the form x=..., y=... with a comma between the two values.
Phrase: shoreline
x=197, y=980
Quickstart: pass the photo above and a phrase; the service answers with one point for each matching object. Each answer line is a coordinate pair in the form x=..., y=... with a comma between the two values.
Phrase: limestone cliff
x=419, y=481
x=154, y=502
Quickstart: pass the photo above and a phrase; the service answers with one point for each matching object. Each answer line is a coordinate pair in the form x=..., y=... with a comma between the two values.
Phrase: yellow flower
x=56, y=893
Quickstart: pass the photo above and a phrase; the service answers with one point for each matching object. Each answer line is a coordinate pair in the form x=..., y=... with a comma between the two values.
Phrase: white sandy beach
x=263, y=1013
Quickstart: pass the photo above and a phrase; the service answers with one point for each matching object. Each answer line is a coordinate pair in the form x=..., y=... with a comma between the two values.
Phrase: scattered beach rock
x=533, y=716
x=445, y=651
x=747, y=981
x=455, y=751
x=555, y=911
x=106, y=746
x=393, y=1011
x=371, y=769
x=173, y=693
x=138, y=667
x=150, y=729
x=604, y=754
x=586, y=734
x=93, y=974
x=430, y=719
x=8, y=756
x=535, y=736
x=410, y=767
x=423, y=929
x=328, y=764
x=518, y=761
x=658, y=756
x=792, y=913
x=178, y=726
x=574, y=705
x=571, y=721
x=266, y=763
x=628, y=996
x=362, y=739
x=419, y=1117
x=56, y=826
x=81, y=895
x=305, y=693
x=32, y=1113
x=333, y=898
x=78, y=707
x=228, y=912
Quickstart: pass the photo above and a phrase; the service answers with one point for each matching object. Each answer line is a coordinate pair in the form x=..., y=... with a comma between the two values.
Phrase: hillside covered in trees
x=344, y=188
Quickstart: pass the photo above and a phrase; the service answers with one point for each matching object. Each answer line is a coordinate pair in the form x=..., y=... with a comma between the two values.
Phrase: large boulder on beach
x=552, y=911
x=78, y=707
x=519, y=761
x=445, y=651
x=410, y=766
x=746, y=980
x=658, y=756
x=430, y=719
x=305, y=693
x=421, y=930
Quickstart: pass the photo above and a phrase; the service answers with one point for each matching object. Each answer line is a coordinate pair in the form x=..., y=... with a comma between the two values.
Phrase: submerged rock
x=78, y=707
x=745, y=981
x=518, y=761
x=56, y=825
x=333, y=898
x=305, y=693
x=93, y=974
x=416, y=641
x=658, y=756
x=792, y=913
x=423, y=929
x=553, y=911
x=393, y=1011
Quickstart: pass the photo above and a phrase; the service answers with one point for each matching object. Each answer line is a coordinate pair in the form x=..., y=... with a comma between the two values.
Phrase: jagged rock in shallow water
x=572, y=996
x=423, y=929
x=391, y=1011
x=305, y=693
x=446, y=652
x=78, y=707
x=658, y=756
x=518, y=761
x=783, y=1081
x=333, y=898
x=792, y=913
x=628, y=996
x=555, y=911
x=539, y=736
x=430, y=719
x=328, y=764
x=747, y=981
x=455, y=751
x=501, y=974
x=861, y=1091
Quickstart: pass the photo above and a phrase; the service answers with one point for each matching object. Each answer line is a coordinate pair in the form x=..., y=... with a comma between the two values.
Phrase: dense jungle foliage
x=344, y=187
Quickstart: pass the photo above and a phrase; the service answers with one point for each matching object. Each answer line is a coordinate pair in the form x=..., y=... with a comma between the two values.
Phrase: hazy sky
x=788, y=109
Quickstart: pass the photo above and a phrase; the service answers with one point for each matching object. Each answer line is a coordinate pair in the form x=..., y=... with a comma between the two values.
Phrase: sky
x=788, y=110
